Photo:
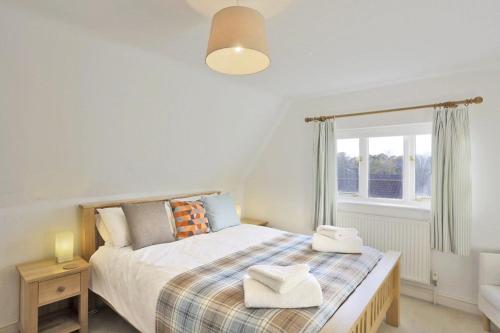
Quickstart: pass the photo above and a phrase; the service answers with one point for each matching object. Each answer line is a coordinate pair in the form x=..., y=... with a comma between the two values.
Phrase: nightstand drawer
x=57, y=289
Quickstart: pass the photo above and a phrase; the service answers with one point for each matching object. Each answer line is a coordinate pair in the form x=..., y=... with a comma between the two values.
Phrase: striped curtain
x=451, y=181
x=325, y=173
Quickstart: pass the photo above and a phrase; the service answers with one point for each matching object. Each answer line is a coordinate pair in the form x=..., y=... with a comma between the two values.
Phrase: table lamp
x=64, y=248
x=238, y=210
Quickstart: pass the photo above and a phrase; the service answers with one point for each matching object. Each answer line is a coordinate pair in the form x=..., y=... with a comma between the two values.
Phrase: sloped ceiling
x=320, y=46
x=83, y=117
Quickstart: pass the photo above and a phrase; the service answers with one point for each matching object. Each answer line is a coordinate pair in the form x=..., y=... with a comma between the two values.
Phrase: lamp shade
x=238, y=44
x=64, y=246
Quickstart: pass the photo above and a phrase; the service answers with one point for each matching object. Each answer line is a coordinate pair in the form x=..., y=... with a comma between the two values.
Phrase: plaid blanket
x=210, y=298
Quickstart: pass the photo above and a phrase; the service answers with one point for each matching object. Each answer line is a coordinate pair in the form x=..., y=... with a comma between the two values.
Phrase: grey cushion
x=221, y=212
x=148, y=224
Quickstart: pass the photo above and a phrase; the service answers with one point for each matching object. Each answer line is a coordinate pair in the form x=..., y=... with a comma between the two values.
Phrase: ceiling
x=317, y=47
x=265, y=7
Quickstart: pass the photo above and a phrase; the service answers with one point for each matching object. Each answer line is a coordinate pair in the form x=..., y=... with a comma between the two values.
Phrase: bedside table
x=254, y=222
x=46, y=282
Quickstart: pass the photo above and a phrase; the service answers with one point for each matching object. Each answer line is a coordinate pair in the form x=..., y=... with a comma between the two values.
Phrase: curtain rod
x=450, y=104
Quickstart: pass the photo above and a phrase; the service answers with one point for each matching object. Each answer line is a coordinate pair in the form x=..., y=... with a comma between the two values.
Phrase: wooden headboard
x=90, y=239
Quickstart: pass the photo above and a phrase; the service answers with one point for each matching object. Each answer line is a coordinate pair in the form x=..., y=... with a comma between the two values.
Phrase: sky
x=390, y=145
x=348, y=146
x=424, y=144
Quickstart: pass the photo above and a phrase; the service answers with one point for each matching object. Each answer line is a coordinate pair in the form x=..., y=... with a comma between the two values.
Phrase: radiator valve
x=434, y=278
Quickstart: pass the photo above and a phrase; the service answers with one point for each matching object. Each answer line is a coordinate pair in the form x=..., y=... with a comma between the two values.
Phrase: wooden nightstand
x=254, y=222
x=47, y=282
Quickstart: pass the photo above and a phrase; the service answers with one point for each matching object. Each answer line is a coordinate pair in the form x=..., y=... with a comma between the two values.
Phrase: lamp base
x=62, y=259
x=70, y=266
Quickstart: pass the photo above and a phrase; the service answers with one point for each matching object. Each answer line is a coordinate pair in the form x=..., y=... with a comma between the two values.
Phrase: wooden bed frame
x=376, y=298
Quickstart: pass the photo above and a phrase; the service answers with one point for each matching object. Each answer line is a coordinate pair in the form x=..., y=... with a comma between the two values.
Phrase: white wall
x=280, y=187
x=82, y=119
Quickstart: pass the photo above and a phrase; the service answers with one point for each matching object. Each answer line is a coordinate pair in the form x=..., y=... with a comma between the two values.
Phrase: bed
x=131, y=281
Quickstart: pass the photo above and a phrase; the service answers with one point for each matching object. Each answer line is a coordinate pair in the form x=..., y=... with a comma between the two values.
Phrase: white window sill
x=418, y=211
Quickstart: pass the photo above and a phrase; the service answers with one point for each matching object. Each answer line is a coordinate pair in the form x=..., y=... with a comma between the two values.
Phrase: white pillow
x=103, y=231
x=116, y=224
x=171, y=218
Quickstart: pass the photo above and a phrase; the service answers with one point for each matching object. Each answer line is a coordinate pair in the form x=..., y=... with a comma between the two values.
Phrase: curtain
x=451, y=181
x=325, y=173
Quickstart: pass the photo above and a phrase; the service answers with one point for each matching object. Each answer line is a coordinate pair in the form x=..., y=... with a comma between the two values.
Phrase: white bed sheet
x=131, y=281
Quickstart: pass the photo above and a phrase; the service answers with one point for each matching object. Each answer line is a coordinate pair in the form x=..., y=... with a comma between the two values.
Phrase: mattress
x=131, y=281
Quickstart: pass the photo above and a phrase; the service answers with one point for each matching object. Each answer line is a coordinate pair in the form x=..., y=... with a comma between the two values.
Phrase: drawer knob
x=61, y=289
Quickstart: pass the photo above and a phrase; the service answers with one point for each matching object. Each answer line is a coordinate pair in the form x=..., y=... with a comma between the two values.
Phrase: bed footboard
x=376, y=298
x=384, y=304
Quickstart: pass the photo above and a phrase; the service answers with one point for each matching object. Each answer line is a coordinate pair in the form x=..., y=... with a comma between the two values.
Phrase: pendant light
x=238, y=43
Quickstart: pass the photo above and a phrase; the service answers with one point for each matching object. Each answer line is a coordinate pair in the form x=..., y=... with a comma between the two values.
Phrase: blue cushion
x=220, y=211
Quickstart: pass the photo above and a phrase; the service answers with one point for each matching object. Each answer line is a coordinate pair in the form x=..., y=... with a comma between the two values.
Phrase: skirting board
x=425, y=293
x=10, y=328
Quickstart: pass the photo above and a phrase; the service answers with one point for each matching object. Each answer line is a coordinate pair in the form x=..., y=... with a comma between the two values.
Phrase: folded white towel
x=337, y=232
x=326, y=244
x=306, y=294
x=281, y=279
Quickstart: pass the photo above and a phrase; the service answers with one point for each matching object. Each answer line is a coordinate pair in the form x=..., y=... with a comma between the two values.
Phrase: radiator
x=410, y=237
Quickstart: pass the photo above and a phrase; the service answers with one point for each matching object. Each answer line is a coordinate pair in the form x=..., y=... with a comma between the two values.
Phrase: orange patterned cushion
x=190, y=218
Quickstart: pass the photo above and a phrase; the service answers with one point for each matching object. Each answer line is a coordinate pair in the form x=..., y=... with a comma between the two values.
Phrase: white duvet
x=131, y=281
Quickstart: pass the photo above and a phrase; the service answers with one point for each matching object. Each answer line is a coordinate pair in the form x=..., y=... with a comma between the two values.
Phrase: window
x=423, y=166
x=390, y=164
x=385, y=176
x=348, y=165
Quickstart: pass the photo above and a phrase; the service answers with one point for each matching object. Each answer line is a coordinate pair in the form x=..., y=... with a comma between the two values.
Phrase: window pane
x=348, y=165
x=386, y=167
x=423, y=166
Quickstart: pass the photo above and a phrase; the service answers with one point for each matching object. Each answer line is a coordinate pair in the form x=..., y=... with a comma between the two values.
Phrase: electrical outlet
x=434, y=278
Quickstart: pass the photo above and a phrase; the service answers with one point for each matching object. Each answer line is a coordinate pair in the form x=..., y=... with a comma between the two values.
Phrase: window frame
x=409, y=133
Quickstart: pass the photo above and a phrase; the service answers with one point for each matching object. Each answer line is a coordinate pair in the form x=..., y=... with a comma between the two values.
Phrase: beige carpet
x=416, y=317
x=422, y=317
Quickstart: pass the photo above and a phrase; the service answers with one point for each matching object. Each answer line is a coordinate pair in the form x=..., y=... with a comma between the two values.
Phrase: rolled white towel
x=281, y=279
x=306, y=294
x=326, y=244
x=337, y=232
